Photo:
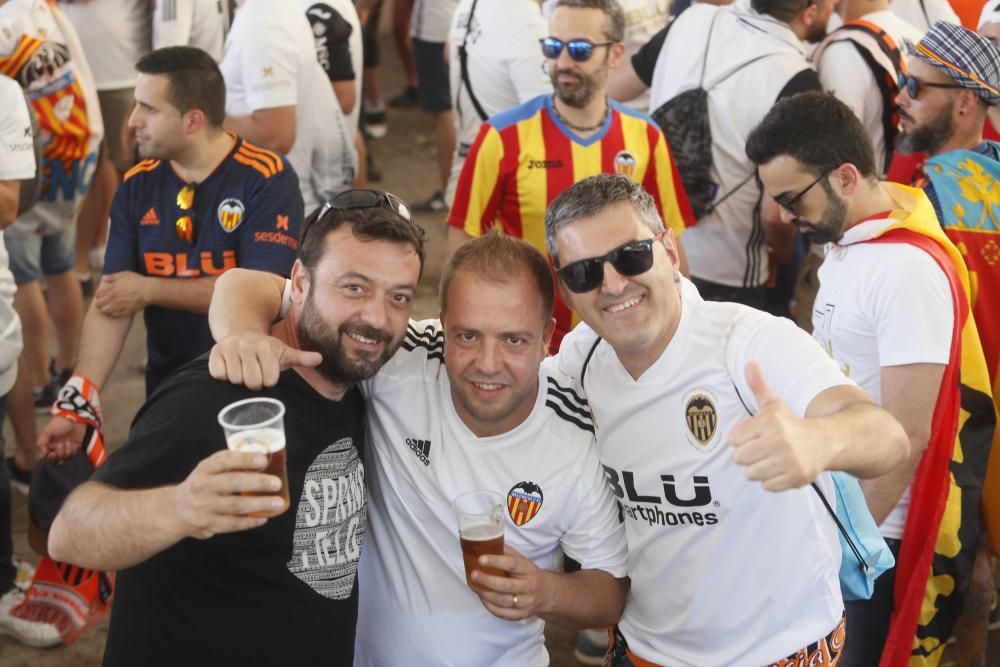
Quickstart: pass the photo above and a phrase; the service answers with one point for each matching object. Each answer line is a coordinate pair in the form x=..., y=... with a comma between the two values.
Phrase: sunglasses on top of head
x=362, y=198
x=579, y=50
x=629, y=259
x=912, y=85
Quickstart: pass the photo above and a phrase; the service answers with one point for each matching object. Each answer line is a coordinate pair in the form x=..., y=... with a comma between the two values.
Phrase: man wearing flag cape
x=894, y=310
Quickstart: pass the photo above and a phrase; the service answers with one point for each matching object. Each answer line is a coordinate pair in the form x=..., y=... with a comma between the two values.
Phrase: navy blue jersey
x=247, y=213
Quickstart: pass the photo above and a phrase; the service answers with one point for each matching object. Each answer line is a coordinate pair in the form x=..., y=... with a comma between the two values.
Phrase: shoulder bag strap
x=463, y=65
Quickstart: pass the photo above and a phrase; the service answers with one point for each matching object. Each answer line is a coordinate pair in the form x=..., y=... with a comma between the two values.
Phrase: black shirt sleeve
x=804, y=82
x=644, y=60
x=331, y=32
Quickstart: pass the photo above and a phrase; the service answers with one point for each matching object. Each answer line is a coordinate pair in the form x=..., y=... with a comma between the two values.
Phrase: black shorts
x=432, y=76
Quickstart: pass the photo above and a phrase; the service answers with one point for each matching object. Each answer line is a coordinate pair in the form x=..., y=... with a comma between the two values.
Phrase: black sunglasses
x=353, y=199
x=579, y=50
x=630, y=259
x=789, y=204
x=912, y=85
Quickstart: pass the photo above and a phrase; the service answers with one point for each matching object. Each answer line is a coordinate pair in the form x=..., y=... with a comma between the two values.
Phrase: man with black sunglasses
x=524, y=157
x=214, y=566
x=705, y=411
x=893, y=310
x=201, y=202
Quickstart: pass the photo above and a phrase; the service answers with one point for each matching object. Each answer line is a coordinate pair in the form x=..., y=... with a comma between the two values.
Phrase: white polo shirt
x=415, y=606
x=878, y=306
x=431, y=19
x=270, y=61
x=504, y=61
x=199, y=23
x=723, y=572
x=727, y=245
x=114, y=34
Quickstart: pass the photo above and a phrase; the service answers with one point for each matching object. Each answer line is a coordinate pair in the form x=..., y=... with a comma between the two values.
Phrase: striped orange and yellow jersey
x=525, y=157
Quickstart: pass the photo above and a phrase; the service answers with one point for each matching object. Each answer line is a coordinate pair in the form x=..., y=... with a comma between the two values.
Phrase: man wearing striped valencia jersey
x=525, y=157
x=202, y=202
x=463, y=405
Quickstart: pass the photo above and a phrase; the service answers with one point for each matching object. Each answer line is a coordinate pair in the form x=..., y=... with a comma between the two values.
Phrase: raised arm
x=105, y=528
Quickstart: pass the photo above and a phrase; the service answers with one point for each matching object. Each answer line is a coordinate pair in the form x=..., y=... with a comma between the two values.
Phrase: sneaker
x=58, y=378
x=591, y=647
x=86, y=284
x=44, y=397
x=406, y=99
x=376, y=126
x=96, y=258
x=29, y=633
x=20, y=479
x=434, y=204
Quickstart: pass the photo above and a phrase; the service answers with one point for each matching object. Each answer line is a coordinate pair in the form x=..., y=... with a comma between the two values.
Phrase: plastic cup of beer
x=480, y=530
x=258, y=425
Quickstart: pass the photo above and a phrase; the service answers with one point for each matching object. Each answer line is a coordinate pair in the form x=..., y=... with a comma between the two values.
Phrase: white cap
x=991, y=13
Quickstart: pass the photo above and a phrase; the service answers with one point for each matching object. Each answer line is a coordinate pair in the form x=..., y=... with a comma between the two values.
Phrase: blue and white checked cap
x=968, y=58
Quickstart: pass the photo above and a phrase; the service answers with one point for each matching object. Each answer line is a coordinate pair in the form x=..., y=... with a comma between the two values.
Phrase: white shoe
x=29, y=633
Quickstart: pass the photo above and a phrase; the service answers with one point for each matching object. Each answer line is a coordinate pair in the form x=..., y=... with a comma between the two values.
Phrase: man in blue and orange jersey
x=943, y=111
x=202, y=202
x=525, y=157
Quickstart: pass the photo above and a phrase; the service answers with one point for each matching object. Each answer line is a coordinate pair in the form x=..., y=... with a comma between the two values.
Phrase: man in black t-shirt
x=200, y=577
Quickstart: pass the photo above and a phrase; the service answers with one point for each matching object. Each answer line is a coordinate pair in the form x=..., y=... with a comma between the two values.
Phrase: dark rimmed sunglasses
x=580, y=50
x=788, y=203
x=912, y=85
x=629, y=259
x=185, y=223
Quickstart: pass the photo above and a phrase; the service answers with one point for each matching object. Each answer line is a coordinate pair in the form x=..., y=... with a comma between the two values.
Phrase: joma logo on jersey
x=624, y=487
x=702, y=418
x=545, y=164
x=181, y=265
x=523, y=502
x=422, y=448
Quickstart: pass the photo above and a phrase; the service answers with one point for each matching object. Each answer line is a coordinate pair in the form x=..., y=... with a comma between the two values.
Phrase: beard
x=340, y=366
x=579, y=93
x=831, y=226
x=929, y=137
x=816, y=33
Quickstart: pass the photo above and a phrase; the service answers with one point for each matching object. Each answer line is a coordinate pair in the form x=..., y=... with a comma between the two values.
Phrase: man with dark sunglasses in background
x=704, y=412
x=214, y=566
x=894, y=311
x=524, y=157
x=201, y=202
x=463, y=406
x=952, y=81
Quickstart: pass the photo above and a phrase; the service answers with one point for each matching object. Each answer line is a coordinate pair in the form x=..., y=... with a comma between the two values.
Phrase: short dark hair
x=367, y=224
x=195, y=80
x=783, y=10
x=818, y=130
x=499, y=258
x=614, y=25
x=593, y=195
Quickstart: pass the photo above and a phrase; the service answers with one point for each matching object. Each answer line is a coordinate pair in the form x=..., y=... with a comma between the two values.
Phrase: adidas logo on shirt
x=149, y=219
x=422, y=448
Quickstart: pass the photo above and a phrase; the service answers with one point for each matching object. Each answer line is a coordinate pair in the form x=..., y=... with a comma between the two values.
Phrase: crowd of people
x=717, y=309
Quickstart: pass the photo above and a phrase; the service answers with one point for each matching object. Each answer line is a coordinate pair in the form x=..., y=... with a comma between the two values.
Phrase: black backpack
x=686, y=127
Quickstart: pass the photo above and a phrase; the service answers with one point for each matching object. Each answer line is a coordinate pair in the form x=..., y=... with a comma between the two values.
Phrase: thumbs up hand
x=776, y=446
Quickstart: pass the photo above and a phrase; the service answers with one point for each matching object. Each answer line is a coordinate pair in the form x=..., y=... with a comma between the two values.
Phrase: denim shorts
x=35, y=255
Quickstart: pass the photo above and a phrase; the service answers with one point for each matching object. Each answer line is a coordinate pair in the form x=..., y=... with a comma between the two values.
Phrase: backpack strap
x=708, y=43
x=886, y=64
x=586, y=361
x=463, y=65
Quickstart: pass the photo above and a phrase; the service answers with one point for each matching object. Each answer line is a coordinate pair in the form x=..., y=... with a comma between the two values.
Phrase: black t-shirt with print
x=282, y=594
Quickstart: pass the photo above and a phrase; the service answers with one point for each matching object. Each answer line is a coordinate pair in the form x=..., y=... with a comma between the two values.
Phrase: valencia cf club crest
x=625, y=164
x=524, y=500
x=701, y=418
x=231, y=214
